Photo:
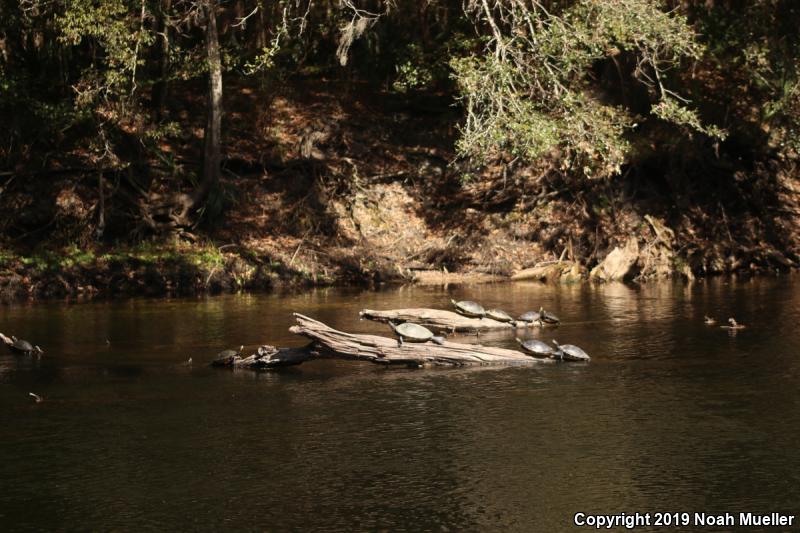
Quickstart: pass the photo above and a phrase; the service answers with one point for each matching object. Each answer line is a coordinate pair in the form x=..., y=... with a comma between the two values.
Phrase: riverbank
x=190, y=271
x=334, y=187
x=143, y=270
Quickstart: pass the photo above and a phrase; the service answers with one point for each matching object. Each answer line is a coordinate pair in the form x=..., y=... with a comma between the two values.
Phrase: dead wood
x=386, y=350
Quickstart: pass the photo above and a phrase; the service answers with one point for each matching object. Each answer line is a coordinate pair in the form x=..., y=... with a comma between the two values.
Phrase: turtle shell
x=226, y=358
x=499, y=315
x=530, y=316
x=227, y=353
x=548, y=318
x=21, y=346
x=570, y=352
x=413, y=332
x=469, y=308
x=536, y=347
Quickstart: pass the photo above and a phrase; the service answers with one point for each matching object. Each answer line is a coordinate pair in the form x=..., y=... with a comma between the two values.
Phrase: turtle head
x=38, y=350
x=14, y=339
x=556, y=343
x=541, y=310
x=241, y=348
x=732, y=321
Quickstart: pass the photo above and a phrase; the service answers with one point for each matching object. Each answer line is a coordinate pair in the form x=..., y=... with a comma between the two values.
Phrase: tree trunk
x=159, y=95
x=213, y=133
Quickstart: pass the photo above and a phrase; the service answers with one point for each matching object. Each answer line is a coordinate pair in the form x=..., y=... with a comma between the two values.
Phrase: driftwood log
x=331, y=343
x=438, y=319
x=552, y=271
x=386, y=350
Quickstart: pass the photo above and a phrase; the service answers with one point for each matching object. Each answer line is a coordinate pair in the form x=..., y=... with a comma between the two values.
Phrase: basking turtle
x=468, y=308
x=732, y=324
x=23, y=347
x=570, y=352
x=414, y=333
x=536, y=347
x=530, y=317
x=547, y=317
x=500, y=316
x=227, y=357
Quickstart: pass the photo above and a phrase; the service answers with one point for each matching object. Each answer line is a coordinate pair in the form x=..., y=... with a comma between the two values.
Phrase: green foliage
x=756, y=50
x=533, y=91
x=577, y=82
x=670, y=110
x=414, y=72
x=115, y=27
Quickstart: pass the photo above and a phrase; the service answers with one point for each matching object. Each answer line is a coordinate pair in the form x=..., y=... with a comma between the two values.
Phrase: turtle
x=227, y=357
x=500, y=316
x=414, y=333
x=732, y=324
x=469, y=308
x=530, y=317
x=547, y=317
x=23, y=347
x=536, y=347
x=710, y=321
x=570, y=352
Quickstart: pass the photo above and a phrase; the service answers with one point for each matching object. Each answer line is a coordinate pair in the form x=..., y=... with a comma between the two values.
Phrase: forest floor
x=328, y=185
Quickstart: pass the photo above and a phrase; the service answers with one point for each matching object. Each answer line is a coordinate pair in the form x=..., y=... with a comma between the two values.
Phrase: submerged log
x=386, y=350
x=438, y=319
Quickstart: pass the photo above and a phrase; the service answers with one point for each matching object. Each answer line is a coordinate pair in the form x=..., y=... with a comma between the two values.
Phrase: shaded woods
x=181, y=146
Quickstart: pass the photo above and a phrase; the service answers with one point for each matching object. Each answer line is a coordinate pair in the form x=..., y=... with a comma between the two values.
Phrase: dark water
x=670, y=415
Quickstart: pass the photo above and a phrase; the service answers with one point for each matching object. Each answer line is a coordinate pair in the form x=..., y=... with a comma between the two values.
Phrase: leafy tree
x=533, y=89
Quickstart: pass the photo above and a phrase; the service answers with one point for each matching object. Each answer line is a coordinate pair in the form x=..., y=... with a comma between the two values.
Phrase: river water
x=671, y=415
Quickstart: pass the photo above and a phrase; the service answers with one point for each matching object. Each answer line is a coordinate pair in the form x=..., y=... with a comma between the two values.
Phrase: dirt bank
x=324, y=186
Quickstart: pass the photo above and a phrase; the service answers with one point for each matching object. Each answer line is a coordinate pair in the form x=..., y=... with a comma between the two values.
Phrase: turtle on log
x=500, y=316
x=227, y=357
x=570, y=352
x=23, y=347
x=408, y=331
x=536, y=347
x=469, y=308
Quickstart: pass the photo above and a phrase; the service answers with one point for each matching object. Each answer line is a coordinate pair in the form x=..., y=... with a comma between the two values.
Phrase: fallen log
x=438, y=319
x=386, y=350
x=551, y=271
